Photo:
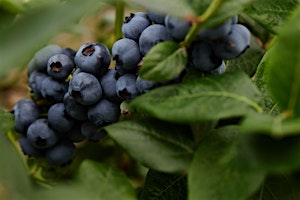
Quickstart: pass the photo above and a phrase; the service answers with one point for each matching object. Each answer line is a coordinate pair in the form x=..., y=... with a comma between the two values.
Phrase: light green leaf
x=283, y=67
x=209, y=98
x=178, y=8
x=36, y=27
x=219, y=172
x=103, y=182
x=158, y=145
x=271, y=14
x=164, y=186
x=164, y=62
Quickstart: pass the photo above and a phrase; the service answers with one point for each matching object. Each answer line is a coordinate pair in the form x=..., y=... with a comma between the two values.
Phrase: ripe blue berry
x=108, y=83
x=28, y=149
x=92, y=132
x=74, y=109
x=104, y=112
x=145, y=85
x=157, y=18
x=59, y=119
x=126, y=87
x=60, y=66
x=53, y=90
x=85, y=88
x=93, y=58
x=234, y=44
x=126, y=53
x=41, y=135
x=61, y=154
x=134, y=25
x=152, y=35
x=35, y=83
x=216, y=32
x=178, y=28
x=25, y=113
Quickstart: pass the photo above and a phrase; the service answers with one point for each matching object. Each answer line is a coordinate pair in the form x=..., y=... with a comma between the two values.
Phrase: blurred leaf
x=14, y=179
x=283, y=66
x=37, y=26
x=209, y=98
x=165, y=61
x=269, y=105
x=164, y=186
x=219, y=172
x=247, y=62
x=271, y=14
x=103, y=182
x=275, y=126
x=178, y=8
x=273, y=155
x=158, y=145
x=13, y=6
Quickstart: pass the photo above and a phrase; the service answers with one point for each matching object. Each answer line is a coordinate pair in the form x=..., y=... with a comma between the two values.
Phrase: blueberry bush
x=181, y=99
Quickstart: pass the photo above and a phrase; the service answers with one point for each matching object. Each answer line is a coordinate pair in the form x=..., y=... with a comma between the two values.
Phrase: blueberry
x=234, y=44
x=93, y=58
x=85, y=88
x=35, y=83
x=104, y=112
x=126, y=53
x=157, y=18
x=126, y=87
x=75, y=134
x=216, y=32
x=53, y=90
x=70, y=53
x=59, y=119
x=178, y=28
x=134, y=25
x=152, y=35
x=61, y=154
x=203, y=57
x=74, y=109
x=41, y=135
x=41, y=57
x=60, y=66
x=235, y=19
x=108, y=83
x=25, y=112
x=92, y=132
x=220, y=70
x=28, y=149
x=145, y=85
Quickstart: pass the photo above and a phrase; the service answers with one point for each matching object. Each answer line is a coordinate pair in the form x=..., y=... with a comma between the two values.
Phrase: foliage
x=232, y=136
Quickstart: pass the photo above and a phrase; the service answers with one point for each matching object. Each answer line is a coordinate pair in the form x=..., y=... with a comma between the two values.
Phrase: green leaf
x=14, y=180
x=219, y=172
x=260, y=80
x=272, y=155
x=275, y=126
x=247, y=62
x=271, y=14
x=103, y=182
x=36, y=27
x=178, y=8
x=164, y=186
x=209, y=98
x=158, y=145
x=283, y=67
x=164, y=61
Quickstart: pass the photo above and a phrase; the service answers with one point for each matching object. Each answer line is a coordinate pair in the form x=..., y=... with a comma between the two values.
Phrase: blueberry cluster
x=76, y=93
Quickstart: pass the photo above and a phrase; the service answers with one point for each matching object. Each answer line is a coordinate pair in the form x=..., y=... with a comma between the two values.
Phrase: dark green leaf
x=247, y=62
x=178, y=8
x=209, y=98
x=260, y=80
x=271, y=14
x=30, y=32
x=273, y=155
x=14, y=180
x=283, y=67
x=275, y=126
x=219, y=172
x=104, y=182
x=158, y=145
x=164, y=62
x=163, y=186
